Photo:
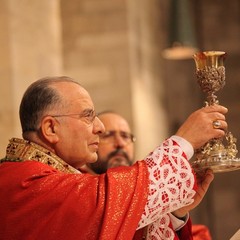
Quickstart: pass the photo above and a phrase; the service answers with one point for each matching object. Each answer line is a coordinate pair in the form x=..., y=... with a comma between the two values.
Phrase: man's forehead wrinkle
x=88, y=110
x=82, y=101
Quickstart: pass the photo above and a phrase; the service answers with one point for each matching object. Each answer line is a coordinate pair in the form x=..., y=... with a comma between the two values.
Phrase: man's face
x=77, y=129
x=115, y=147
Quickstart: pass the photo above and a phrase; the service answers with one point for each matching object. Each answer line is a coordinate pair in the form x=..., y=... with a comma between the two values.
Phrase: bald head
x=39, y=98
x=114, y=121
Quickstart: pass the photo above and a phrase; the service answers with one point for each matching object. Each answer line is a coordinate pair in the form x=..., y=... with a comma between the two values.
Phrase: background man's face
x=115, y=147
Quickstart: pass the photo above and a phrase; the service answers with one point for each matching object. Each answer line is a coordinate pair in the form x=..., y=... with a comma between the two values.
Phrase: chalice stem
x=212, y=99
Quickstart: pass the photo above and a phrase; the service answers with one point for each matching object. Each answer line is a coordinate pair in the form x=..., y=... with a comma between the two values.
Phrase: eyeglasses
x=88, y=115
x=110, y=136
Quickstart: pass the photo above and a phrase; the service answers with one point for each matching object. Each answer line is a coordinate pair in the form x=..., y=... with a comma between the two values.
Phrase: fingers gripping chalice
x=217, y=154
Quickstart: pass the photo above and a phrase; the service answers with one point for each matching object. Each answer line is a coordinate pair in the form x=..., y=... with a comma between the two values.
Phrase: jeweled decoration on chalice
x=218, y=154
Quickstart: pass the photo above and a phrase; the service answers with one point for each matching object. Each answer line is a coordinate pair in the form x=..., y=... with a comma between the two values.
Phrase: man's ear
x=49, y=125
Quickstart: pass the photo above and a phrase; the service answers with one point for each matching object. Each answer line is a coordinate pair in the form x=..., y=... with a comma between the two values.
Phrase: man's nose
x=119, y=141
x=99, y=127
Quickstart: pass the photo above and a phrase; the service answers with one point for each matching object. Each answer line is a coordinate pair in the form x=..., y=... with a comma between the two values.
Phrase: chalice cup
x=217, y=154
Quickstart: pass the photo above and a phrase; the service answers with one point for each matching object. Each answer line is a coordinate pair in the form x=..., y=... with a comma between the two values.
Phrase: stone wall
x=30, y=49
x=112, y=48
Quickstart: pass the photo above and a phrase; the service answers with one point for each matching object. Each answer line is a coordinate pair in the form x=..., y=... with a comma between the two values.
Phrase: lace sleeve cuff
x=185, y=146
x=178, y=223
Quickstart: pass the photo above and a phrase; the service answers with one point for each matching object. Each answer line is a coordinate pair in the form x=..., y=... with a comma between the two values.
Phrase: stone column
x=146, y=82
x=30, y=49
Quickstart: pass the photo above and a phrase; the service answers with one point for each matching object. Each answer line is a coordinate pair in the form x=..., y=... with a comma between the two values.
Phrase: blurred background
x=117, y=51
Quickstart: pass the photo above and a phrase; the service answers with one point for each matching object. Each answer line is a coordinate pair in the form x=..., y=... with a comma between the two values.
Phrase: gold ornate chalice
x=217, y=154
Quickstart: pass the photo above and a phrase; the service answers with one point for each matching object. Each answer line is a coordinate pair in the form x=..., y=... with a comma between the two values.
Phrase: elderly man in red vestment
x=44, y=195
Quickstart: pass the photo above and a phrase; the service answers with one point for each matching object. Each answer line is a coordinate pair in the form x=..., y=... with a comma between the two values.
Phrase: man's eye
x=125, y=136
x=106, y=135
x=90, y=116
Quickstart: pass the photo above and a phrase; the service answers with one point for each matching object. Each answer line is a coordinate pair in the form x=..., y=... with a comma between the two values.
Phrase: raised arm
x=172, y=185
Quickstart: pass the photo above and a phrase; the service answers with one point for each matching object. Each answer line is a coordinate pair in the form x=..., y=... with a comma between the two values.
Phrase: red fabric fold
x=38, y=202
x=201, y=232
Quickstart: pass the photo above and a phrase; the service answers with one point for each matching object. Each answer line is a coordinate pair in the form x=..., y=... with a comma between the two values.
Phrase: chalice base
x=218, y=163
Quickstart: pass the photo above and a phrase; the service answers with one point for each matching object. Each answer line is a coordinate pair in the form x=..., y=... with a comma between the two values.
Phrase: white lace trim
x=170, y=188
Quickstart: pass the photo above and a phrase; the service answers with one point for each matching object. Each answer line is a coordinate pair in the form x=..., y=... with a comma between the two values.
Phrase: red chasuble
x=42, y=197
x=39, y=202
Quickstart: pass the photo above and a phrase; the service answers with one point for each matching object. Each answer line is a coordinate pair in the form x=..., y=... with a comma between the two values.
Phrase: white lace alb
x=171, y=187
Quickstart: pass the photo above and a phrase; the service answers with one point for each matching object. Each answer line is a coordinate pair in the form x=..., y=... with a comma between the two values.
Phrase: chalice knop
x=217, y=154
